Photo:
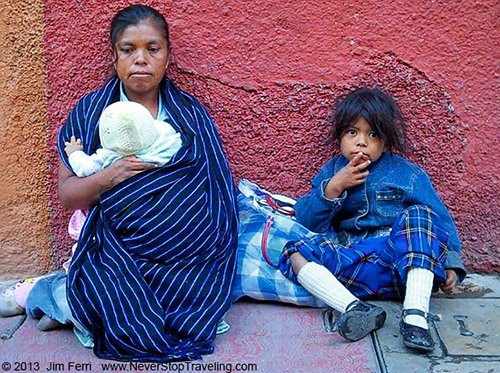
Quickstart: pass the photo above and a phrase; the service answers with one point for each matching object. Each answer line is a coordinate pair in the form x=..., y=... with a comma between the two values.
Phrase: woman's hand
x=451, y=281
x=125, y=168
x=354, y=173
x=84, y=192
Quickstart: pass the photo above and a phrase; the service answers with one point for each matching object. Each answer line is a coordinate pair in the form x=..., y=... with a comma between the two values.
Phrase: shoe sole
x=358, y=324
x=418, y=347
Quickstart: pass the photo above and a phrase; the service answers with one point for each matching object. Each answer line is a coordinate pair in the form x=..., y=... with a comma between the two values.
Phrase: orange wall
x=24, y=209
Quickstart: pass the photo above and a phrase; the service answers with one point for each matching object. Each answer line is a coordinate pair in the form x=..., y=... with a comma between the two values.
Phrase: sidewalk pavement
x=268, y=337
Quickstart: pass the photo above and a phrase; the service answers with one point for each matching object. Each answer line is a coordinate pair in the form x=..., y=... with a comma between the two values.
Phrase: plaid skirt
x=377, y=267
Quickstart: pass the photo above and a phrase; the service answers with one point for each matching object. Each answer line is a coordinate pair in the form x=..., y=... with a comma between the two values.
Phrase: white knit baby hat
x=126, y=127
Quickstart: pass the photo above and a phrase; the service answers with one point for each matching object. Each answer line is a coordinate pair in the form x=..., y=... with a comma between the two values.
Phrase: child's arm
x=316, y=209
x=353, y=174
x=83, y=164
x=72, y=146
x=428, y=196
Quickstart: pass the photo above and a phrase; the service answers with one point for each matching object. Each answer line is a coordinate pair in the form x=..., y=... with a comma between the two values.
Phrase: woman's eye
x=153, y=50
x=351, y=132
x=126, y=50
x=373, y=134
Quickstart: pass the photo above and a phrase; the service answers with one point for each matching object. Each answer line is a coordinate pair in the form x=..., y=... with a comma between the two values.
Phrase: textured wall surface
x=269, y=70
x=24, y=212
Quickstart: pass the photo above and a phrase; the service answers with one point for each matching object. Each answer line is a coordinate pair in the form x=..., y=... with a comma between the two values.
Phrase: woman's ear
x=169, y=57
x=114, y=57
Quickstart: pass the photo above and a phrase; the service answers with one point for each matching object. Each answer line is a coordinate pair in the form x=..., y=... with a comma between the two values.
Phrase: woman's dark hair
x=379, y=109
x=133, y=15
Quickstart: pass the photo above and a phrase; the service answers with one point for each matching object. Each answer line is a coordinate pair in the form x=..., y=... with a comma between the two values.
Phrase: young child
x=385, y=233
x=125, y=128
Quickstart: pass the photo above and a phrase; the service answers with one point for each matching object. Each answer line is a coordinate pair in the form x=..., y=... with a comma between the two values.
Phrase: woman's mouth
x=140, y=74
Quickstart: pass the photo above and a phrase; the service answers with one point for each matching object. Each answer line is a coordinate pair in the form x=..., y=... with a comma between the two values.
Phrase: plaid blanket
x=255, y=278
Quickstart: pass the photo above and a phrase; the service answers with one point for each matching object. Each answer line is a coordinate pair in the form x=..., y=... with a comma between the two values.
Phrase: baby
x=125, y=128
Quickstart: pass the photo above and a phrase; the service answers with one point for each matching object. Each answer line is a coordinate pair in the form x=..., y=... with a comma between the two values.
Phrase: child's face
x=361, y=138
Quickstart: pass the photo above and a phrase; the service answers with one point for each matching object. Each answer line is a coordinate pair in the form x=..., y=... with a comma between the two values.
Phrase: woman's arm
x=84, y=192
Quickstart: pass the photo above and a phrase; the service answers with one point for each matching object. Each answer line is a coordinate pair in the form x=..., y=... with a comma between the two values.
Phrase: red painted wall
x=269, y=70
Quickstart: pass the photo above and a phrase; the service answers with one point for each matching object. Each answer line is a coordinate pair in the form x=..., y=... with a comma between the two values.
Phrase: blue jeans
x=48, y=297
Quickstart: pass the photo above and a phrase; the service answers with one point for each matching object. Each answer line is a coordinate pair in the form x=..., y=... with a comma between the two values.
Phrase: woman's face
x=141, y=57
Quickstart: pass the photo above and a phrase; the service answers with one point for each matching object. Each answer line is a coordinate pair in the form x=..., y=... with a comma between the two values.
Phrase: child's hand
x=354, y=173
x=72, y=145
x=451, y=281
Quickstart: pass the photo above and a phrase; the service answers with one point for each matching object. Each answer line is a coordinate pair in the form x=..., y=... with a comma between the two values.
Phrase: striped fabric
x=154, y=269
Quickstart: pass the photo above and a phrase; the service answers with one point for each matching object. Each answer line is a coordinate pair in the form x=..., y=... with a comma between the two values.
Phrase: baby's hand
x=72, y=145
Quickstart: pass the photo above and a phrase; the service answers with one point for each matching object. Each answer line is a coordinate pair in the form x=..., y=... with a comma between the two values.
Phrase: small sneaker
x=8, y=304
x=359, y=320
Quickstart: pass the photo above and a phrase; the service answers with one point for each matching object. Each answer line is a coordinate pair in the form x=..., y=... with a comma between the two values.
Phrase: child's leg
x=418, y=242
x=321, y=283
x=418, y=294
x=358, y=318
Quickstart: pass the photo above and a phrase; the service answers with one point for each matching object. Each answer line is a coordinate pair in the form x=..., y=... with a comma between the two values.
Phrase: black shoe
x=360, y=319
x=415, y=337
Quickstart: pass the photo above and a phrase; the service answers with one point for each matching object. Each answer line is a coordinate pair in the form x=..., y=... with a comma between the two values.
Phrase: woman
x=153, y=271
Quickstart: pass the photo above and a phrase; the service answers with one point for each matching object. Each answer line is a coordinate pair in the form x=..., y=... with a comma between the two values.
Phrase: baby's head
x=375, y=108
x=126, y=127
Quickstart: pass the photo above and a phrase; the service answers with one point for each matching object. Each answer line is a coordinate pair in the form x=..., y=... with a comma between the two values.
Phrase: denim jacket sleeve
x=314, y=210
x=424, y=193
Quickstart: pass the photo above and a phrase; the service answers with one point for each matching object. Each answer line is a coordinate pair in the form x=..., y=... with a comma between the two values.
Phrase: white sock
x=418, y=294
x=321, y=283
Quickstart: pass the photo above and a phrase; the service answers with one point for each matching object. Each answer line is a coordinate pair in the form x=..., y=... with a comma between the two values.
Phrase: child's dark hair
x=379, y=109
x=132, y=15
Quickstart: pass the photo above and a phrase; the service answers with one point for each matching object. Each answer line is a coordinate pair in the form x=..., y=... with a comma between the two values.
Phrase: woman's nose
x=140, y=57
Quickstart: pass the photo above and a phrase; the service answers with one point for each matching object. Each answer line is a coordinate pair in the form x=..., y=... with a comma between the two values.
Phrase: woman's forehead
x=144, y=31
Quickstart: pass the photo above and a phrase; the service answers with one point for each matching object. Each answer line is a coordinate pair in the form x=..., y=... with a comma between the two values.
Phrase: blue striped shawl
x=154, y=268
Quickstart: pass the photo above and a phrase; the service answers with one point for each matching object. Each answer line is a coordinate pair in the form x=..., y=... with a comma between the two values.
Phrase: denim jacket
x=370, y=210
